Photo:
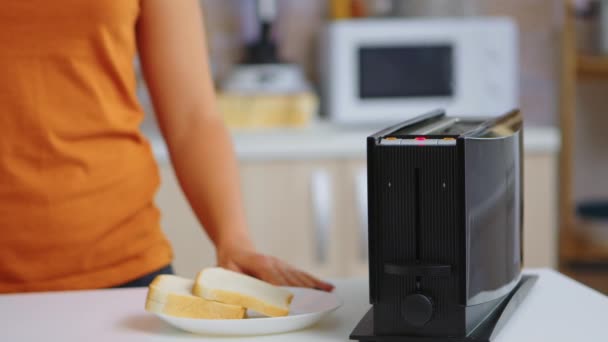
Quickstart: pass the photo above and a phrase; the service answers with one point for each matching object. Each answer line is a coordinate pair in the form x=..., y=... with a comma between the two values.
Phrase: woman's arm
x=173, y=53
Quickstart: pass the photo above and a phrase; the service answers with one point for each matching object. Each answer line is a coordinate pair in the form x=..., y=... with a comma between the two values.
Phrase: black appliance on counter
x=445, y=229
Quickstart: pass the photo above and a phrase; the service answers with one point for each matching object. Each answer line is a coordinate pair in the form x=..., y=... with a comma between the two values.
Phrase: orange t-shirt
x=77, y=178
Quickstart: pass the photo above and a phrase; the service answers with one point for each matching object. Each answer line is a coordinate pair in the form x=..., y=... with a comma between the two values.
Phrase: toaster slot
x=417, y=230
x=417, y=222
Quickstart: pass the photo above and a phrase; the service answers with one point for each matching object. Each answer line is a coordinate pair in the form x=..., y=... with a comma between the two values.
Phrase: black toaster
x=445, y=228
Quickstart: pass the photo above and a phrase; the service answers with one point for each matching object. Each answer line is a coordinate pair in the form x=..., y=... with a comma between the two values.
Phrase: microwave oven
x=379, y=71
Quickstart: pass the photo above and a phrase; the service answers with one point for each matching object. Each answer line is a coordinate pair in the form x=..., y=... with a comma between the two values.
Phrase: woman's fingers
x=295, y=276
x=319, y=284
x=269, y=270
x=272, y=270
x=292, y=278
x=304, y=279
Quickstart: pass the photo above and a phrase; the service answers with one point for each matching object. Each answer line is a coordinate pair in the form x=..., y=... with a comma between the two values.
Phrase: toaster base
x=485, y=332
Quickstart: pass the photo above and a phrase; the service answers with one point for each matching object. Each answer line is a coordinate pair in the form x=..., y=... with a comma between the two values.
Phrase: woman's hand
x=172, y=48
x=246, y=260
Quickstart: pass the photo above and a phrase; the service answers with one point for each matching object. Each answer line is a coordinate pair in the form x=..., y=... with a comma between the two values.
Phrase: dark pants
x=147, y=279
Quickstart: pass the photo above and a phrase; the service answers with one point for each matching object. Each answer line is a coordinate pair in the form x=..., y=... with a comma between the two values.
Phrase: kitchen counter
x=557, y=309
x=326, y=141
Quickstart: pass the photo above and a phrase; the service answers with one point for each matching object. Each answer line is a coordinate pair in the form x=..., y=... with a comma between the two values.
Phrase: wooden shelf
x=574, y=247
x=577, y=248
x=596, y=279
x=589, y=66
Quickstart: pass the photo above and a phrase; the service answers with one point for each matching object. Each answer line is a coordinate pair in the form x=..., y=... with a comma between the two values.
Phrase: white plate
x=307, y=308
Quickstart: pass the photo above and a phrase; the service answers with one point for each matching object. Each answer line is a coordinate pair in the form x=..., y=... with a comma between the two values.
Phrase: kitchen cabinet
x=581, y=152
x=291, y=210
x=540, y=210
x=354, y=219
x=313, y=214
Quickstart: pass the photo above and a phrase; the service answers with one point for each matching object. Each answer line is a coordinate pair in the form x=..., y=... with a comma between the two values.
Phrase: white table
x=557, y=309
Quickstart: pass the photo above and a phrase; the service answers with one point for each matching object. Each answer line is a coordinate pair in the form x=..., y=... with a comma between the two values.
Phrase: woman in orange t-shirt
x=77, y=178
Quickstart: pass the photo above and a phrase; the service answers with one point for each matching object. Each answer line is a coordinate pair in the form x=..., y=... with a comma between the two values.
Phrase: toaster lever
x=418, y=270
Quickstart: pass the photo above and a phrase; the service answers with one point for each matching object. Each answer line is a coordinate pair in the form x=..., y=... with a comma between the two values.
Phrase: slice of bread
x=172, y=295
x=229, y=287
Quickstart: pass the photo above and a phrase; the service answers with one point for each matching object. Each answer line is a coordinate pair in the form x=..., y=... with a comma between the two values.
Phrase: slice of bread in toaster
x=235, y=288
x=172, y=295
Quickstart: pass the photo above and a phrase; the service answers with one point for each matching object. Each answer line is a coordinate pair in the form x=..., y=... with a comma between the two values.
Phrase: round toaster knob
x=417, y=309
